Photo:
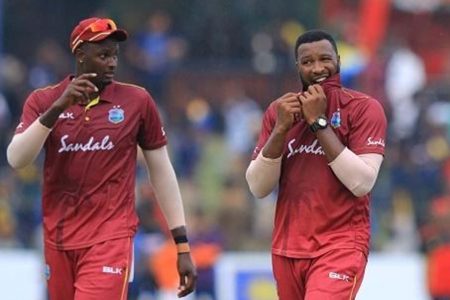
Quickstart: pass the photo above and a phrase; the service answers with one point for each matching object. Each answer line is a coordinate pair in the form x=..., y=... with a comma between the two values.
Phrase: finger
x=294, y=109
x=314, y=89
x=320, y=89
x=81, y=94
x=288, y=95
x=86, y=83
x=85, y=90
x=311, y=90
x=182, y=280
x=302, y=98
x=182, y=287
x=308, y=93
x=289, y=100
x=188, y=287
x=87, y=76
x=294, y=99
x=289, y=110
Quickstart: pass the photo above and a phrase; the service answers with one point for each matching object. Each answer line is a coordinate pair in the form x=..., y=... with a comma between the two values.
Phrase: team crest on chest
x=116, y=114
x=336, y=119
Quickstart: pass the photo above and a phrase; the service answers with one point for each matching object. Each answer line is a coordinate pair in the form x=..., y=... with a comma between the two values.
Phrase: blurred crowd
x=212, y=112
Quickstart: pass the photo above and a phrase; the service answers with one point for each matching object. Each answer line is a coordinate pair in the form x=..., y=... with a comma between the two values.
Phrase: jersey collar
x=333, y=83
x=108, y=92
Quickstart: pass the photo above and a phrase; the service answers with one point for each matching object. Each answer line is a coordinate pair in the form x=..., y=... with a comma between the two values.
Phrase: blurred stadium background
x=213, y=66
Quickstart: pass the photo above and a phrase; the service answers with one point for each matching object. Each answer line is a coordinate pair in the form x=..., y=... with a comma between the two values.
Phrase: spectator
x=156, y=51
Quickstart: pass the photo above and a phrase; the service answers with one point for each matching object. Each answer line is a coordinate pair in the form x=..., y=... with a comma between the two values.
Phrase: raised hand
x=78, y=91
x=314, y=103
x=289, y=110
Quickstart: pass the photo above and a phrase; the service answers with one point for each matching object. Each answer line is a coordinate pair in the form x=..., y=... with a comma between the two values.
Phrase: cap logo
x=116, y=115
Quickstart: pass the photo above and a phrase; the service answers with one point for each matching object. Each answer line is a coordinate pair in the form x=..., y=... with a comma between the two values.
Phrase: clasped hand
x=307, y=105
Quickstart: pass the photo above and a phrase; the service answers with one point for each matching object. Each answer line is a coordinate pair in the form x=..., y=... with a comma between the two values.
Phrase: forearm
x=263, y=174
x=163, y=179
x=49, y=118
x=25, y=146
x=357, y=173
x=274, y=147
x=330, y=143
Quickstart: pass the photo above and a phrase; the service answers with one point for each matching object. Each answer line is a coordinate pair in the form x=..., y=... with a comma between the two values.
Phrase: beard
x=305, y=84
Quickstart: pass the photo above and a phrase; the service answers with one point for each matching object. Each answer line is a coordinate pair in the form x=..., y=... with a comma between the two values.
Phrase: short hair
x=314, y=35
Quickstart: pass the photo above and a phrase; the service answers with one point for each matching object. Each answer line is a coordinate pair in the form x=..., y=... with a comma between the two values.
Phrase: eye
x=327, y=58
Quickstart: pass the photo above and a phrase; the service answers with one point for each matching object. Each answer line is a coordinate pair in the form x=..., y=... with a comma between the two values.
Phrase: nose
x=112, y=62
x=318, y=67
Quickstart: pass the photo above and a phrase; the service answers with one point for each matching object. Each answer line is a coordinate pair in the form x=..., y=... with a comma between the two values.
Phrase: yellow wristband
x=183, y=248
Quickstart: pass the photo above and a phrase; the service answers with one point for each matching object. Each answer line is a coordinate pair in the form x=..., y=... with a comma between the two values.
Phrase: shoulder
x=272, y=108
x=363, y=108
x=354, y=95
x=48, y=91
x=359, y=99
x=270, y=112
x=133, y=92
x=43, y=97
x=130, y=88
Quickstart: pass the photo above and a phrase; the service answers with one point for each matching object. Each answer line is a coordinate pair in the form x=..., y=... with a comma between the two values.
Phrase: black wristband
x=320, y=123
x=180, y=239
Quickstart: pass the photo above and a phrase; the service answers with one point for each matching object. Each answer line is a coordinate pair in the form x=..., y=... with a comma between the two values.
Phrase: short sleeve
x=368, y=128
x=268, y=124
x=151, y=131
x=30, y=112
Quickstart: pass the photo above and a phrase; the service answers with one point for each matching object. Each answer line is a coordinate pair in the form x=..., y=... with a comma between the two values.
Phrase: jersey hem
x=86, y=245
x=317, y=253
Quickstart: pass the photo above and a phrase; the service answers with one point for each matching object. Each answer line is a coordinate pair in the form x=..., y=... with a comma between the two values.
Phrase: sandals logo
x=371, y=141
x=314, y=148
x=91, y=145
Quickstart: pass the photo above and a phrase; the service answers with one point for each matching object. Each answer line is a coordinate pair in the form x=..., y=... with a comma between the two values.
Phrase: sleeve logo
x=371, y=141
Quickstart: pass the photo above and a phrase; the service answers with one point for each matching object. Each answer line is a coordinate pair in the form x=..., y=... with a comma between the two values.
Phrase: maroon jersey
x=90, y=162
x=315, y=212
